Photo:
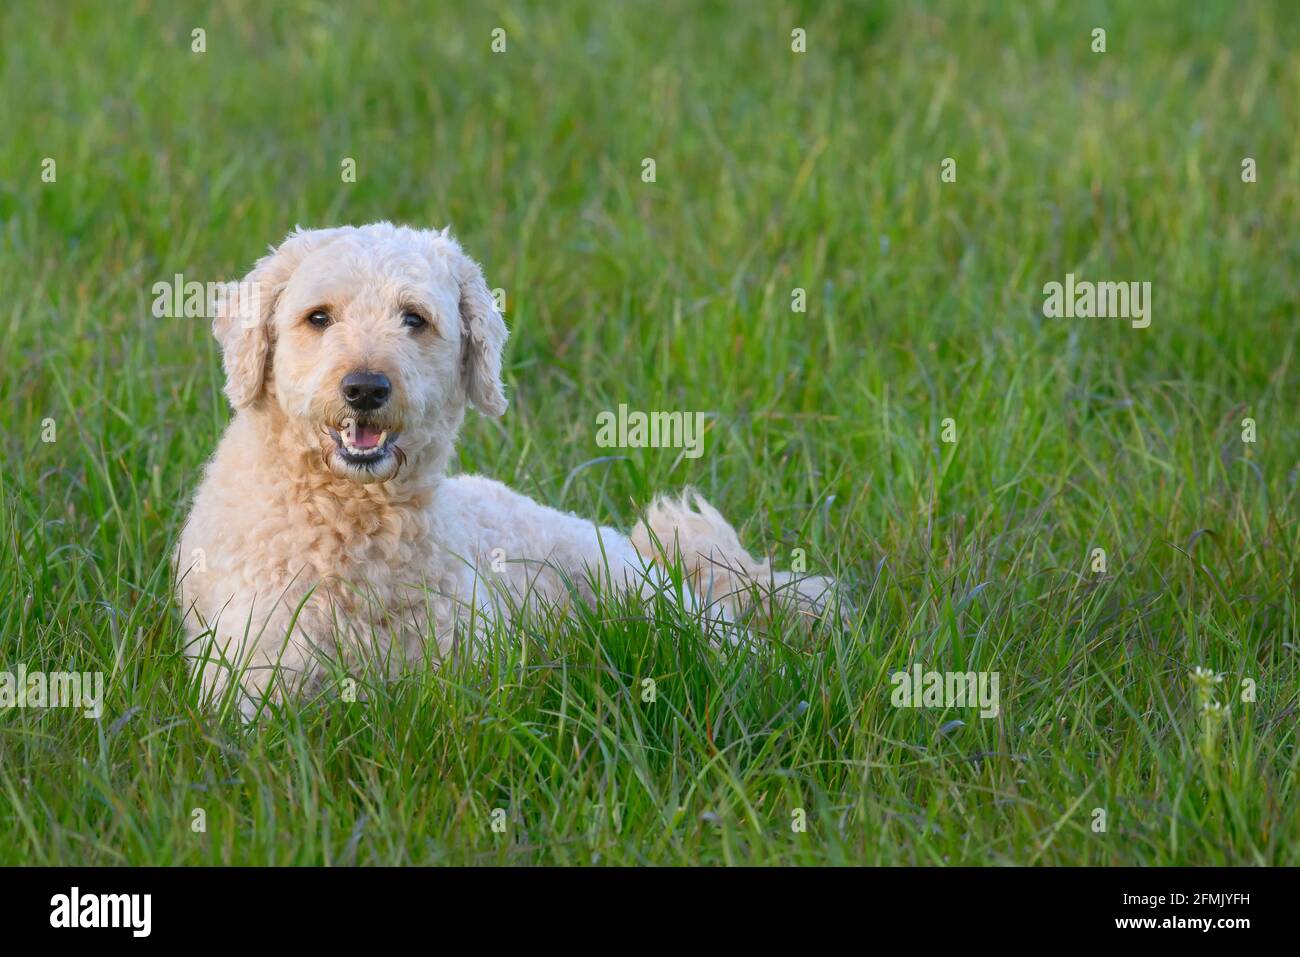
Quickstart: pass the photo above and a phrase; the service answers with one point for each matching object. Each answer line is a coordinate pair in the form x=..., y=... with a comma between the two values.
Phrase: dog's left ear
x=485, y=338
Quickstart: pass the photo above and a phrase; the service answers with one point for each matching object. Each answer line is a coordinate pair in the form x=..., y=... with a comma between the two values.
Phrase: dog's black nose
x=365, y=391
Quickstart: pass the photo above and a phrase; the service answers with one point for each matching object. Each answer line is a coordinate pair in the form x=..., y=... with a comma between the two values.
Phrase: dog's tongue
x=365, y=437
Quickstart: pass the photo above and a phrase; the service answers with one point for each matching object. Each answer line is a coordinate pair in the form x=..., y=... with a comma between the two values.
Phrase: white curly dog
x=326, y=526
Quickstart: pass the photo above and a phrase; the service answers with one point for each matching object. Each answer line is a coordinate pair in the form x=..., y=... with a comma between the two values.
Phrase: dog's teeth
x=383, y=437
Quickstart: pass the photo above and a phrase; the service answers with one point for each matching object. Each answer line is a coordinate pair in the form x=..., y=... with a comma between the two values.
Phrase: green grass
x=775, y=170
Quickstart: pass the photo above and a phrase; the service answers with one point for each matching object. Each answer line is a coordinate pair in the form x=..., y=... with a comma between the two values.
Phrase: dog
x=326, y=525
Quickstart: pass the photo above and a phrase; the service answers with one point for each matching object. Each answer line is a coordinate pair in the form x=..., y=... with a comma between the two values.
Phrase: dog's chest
x=382, y=565
x=378, y=545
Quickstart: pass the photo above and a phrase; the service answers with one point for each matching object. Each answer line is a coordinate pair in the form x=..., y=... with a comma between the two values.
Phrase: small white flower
x=1205, y=677
x=1215, y=710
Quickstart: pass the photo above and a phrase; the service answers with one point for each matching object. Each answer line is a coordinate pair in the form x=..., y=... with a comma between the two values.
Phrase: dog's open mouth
x=363, y=445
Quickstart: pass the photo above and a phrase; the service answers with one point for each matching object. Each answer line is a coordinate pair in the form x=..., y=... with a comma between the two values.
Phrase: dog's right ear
x=242, y=324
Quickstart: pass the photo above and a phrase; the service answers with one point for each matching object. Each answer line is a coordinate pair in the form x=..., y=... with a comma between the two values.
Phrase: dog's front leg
x=255, y=663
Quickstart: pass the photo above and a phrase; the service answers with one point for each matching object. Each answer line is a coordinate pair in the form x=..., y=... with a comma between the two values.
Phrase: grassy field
x=774, y=171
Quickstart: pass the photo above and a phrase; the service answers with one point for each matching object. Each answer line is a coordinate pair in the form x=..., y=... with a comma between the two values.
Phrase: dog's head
x=370, y=340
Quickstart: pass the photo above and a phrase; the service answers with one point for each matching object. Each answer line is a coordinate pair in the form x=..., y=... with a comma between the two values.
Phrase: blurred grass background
x=775, y=170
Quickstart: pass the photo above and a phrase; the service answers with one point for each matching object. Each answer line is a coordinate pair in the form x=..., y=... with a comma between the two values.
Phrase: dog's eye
x=319, y=318
x=413, y=320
